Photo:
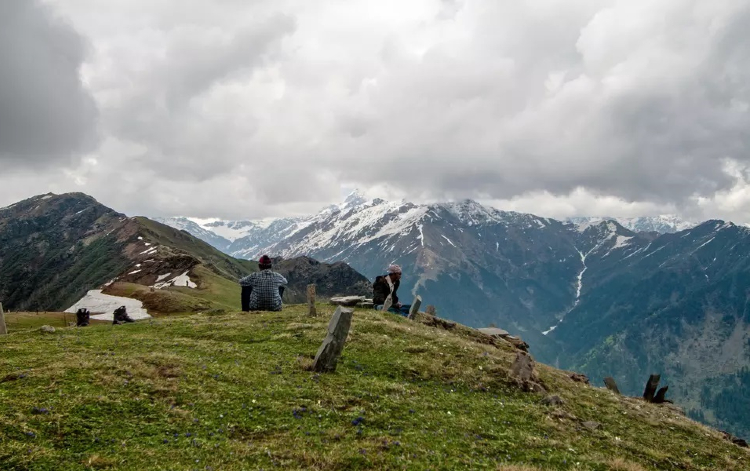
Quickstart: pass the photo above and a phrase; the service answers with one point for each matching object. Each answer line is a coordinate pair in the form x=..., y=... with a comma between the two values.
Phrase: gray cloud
x=45, y=112
x=552, y=107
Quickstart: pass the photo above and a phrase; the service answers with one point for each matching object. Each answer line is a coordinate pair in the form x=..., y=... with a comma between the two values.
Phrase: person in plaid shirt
x=262, y=291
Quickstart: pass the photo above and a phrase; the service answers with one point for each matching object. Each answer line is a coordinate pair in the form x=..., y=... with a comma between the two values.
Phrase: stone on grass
x=611, y=384
x=415, y=306
x=330, y=351
x=591, y=425
x=553, y=400
x=523, y=371
x=47, y=329
x=349, y=301
x=580, y=378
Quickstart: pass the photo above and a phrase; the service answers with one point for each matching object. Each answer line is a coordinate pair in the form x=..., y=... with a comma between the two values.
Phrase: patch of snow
x=550, y=329
x=140, y=238
x=449, y=241
x=704, y=244
x=180, y=280
x=138, y=265
x=133, y=272
x=622, y=241
x=46, y=197
x=149, y=251
x=421, y=234
x=147, y=244
x=102, y=306
x=162, y=277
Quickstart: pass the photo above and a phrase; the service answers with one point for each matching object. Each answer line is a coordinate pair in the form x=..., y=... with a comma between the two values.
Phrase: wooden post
x=415, y=306
x=611, y=384
x=330, y=351
x=660, y=395
x=651, y=385
x=311, y=311
x=3, y=328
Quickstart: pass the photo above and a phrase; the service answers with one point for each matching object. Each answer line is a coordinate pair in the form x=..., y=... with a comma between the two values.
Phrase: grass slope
x=232, y=391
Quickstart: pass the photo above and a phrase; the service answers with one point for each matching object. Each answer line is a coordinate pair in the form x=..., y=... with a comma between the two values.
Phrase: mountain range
x=56, y=248
x=658, y=296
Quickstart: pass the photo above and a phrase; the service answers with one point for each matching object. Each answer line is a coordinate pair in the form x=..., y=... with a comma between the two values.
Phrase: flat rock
x=347, y=300
x=493, y=331
x=553, y=400
x=580, y=378
x=591, y=425
x=47, y=329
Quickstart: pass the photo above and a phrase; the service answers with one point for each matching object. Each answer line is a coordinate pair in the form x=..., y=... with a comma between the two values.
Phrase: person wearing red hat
x=262, y=291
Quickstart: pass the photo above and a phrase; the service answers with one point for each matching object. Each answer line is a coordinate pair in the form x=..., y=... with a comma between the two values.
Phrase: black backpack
x=83, y=316
x=121, y=316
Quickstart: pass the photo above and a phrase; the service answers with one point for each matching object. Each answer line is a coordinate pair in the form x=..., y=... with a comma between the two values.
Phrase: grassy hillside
x=232, y=391
x=214, y=292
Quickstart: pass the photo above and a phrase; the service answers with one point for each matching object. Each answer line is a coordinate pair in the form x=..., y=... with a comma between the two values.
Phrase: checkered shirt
x=265, y=295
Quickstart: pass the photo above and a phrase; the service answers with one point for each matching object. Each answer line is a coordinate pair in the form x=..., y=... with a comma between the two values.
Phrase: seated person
x=384, y=295
x=262, y=291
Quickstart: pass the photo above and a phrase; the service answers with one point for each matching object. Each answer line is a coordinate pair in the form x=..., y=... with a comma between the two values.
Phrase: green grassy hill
x=233, y=391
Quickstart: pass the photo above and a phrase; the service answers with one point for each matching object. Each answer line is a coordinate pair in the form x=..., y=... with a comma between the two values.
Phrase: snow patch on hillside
x=102, y=306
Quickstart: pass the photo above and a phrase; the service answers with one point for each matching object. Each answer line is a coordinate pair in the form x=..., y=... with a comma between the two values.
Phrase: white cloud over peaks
x=250, y=109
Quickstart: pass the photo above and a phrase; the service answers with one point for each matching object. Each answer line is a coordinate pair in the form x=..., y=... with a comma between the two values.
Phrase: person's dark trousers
x=246, y=290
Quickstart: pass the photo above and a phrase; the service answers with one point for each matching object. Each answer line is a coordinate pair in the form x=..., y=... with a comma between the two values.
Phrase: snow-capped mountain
x=664, y=224
x=196, y=230
x=606, y=296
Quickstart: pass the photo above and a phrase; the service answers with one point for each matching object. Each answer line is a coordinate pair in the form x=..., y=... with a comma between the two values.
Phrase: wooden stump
x=3, y=328
x=660, y=395
x=330, y=351
x=651, y=385
x=311, y=311
x=415, y=306
x=431, y=310
x=610, y=383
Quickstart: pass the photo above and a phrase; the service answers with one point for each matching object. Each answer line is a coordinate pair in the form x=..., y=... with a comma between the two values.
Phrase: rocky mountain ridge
x=594, y=296
x=55, y=248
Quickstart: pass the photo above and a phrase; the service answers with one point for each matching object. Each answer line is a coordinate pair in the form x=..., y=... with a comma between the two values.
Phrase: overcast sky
x=249, y=109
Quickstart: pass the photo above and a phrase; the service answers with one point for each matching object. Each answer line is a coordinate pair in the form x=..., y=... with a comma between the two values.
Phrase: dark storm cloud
x=45, y=112
x=265, y=108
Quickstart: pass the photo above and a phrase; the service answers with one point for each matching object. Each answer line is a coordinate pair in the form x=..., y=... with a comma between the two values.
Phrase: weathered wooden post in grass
x=651, y=385
x=611, y=384
x=3, y=329
x=311, y=311
x=415, y=306
x=330, y=351
x=660, y=397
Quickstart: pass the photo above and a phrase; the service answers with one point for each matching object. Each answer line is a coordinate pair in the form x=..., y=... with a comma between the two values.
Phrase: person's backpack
x=83, y=317
x=121, y=316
